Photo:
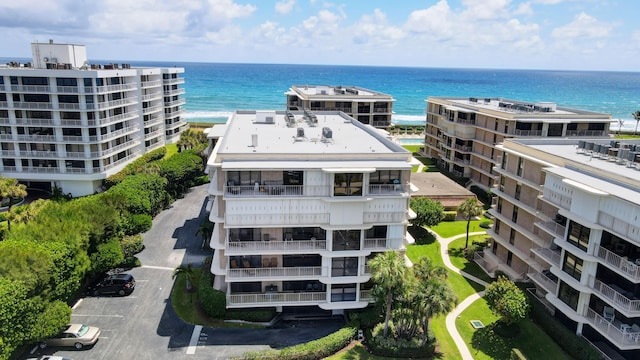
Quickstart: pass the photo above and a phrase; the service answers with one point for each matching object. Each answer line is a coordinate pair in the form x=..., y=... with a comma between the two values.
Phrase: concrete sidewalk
x=453, y=315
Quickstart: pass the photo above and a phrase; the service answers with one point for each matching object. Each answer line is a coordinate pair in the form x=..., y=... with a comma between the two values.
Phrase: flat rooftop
x=438, y=187
x=535, y=110
x=335, y=91
x=603, y=174
x=332, y=132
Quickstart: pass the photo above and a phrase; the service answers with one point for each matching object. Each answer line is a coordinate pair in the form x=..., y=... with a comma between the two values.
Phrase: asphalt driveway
x=144, y=325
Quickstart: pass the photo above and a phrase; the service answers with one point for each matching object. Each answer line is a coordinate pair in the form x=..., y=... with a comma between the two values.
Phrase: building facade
x=367, y=106
x=462, y=133
x=568, y=219
x=69, y=124
x=300, y=202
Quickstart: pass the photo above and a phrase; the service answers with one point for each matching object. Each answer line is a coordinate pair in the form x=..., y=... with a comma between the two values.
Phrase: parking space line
x=76, y=304
x=191, y=349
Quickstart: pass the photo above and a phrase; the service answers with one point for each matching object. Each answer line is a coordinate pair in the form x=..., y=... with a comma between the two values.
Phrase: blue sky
x=528, y=34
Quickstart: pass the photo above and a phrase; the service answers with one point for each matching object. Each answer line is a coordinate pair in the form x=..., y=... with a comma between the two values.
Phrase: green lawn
x=412, y=148
x=448, y=229
x=485, y=344
x=358, y=352
x=458, y=260
x=172, y=149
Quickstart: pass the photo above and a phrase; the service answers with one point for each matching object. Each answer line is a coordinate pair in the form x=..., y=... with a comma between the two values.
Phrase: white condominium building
x=69, y=124
x=568, y=219
x=367, y=106
x=300, y=202
x=462, y=133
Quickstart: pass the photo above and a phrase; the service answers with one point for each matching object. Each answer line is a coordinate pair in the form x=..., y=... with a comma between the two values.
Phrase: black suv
x=121, y=284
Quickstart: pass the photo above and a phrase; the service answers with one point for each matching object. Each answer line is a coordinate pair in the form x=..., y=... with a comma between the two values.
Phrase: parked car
x=121, y=284
x=76, y=335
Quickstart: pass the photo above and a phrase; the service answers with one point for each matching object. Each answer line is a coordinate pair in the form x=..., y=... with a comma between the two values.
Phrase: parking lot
x=144, y=325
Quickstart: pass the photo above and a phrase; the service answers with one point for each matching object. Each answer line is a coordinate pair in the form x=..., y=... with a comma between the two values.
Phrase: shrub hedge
x=316, y=349
x=450, y=215
x=485, y=224
x=131, y=245
x=252, y=315
x=135, y=166
x=398, y=348
x=212, y=301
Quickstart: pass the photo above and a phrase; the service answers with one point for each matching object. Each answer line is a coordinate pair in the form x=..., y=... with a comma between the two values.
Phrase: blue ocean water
x=214, y=90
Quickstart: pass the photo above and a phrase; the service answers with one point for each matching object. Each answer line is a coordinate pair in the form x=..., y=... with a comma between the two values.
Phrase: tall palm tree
x=636, y=117
x=470, y=209
x=388, y=272
x=11, y=189
x=205, y=231
x=188, y=272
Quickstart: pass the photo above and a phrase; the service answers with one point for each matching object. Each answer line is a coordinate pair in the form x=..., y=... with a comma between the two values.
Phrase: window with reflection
x=347, y=184
x=572, y=265
x=346, y=240
x=343, y=292
x=344, y=266
x=579, y=235
x=568, y=295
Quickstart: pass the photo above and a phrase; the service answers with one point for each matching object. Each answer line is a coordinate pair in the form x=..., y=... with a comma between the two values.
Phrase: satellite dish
x=46, y=59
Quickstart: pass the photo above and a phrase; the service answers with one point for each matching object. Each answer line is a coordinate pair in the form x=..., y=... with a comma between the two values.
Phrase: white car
x=76, y=335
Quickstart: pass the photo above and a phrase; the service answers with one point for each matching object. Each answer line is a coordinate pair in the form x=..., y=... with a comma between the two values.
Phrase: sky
x=510, y=34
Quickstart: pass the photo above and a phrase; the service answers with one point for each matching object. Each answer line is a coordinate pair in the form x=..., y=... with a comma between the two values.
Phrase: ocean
x=215, y=90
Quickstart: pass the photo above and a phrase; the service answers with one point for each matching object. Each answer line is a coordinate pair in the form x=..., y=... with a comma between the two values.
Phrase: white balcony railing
x=277, y=298
x=612, y=331
x=276, y=219
x=552, y=256
x=379, y=243
x=542, y=280
x=240, y=247
x=303, y=272
x=619, y=263
x=365, y=295
x=614, y=294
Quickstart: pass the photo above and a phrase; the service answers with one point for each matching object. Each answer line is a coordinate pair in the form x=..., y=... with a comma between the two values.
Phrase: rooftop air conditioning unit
x=300, y=132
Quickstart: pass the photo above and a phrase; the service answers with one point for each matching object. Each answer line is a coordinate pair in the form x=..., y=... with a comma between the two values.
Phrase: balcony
x=276, y=299
x=625, y=340
x=487, y=264
x=622, y=264
x=388, y=189
x=365, y=295
x=586, y=133
x=258, y=190
x=275, y=273
x=376, y=244
x=277, y=247
x=545, y=279
x=264, y=219
x=549, y=225
x=551, y=256
x=623, y=300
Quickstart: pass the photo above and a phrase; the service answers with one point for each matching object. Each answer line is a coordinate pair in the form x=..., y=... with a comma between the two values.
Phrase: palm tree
x=636, y=117
x=388, y=272
x=188, y=272
x=433, y=297
x=11, y=189
x=470, y=209
x=205, y=231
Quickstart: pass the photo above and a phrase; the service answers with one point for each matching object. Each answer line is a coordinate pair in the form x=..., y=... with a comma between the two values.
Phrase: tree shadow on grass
x=490, y=343
x=421, y=235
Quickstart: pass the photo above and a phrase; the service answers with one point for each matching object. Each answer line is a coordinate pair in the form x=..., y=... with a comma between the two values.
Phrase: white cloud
x=375, y=29
x=436, y=20
x=583, y=26
x=486, y=9
x=524, y=9
x=285, y=6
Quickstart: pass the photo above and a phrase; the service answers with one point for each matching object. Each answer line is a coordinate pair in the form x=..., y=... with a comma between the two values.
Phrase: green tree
x=11, y=189
x=469, y=209
x=636, y=117
x=428, y=212
x=188, y=272
x=108, y=255
x=507, y=300
x=388, y=273
x=431, y=295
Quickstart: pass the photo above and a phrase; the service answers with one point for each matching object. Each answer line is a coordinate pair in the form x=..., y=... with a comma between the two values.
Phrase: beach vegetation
x=636, y=117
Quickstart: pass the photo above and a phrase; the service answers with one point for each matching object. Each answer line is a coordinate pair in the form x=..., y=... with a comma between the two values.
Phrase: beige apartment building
x=367, y=106
x=462, y=133
x=567, y=218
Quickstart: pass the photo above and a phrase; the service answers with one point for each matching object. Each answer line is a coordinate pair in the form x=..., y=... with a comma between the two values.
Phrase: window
x=68, y=99
x=343, y=292
x=514, y=215
x=243, y=177
x=87, y=81
x=499, y=206
x=579, y=235
x=509, y=258
x=34, y=81
x=376, y=232
x=345, y=266
x=494, y=247
x=293, y=177
x=347, y=184
x=503, y=164
x=568, y=295
x=346, y=240
x=384, y=176
x=572, y=265
x=512, y=236
x=66, y=82
x=518, y=190
x=496, y=226
x=520, y=166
